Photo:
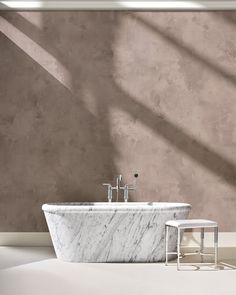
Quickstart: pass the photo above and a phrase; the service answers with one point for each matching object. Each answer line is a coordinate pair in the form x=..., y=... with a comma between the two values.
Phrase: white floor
x=35, y=270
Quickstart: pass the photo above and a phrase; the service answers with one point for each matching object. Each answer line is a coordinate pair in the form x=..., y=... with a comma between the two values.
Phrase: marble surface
x=112, y=232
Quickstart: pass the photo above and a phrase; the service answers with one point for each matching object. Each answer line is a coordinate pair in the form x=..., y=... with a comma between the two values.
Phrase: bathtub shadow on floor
x=16, y=256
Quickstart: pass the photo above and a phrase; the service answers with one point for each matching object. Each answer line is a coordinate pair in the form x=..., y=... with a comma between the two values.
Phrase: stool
x=190, y=224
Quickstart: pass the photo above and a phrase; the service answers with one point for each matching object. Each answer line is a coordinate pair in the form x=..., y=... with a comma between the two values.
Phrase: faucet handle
x=128, y=187
x=109, y=191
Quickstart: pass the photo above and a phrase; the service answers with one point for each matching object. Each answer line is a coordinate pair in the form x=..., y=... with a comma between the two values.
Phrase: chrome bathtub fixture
x=110, y=188
x=129, y=187
x=126, y=188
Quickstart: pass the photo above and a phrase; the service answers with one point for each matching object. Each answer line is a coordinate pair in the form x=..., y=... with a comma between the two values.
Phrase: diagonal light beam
x=191, y=52
x=34, y=18
x=194, y=148
x=37, y=53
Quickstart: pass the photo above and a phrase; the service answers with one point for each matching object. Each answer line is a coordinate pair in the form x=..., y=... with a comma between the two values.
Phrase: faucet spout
x=118, y=186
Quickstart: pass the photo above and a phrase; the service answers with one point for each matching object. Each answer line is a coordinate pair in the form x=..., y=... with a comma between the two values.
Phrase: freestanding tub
x=112, y=232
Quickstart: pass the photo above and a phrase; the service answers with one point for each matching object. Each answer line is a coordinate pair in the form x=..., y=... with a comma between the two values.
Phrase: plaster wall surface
x=85, y=96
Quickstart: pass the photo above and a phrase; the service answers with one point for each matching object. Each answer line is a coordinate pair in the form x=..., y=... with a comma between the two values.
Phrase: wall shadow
x=229, y=16
x=186, y=50
x=69, y=149
x=55, y=145
x=190, y=146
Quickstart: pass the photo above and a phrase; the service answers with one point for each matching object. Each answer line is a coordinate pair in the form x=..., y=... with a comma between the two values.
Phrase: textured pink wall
x=87, y=95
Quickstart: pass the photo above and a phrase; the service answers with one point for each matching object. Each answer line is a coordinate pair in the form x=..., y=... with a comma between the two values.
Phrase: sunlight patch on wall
x=37, y=53
x=90, y=101
x=35, y=18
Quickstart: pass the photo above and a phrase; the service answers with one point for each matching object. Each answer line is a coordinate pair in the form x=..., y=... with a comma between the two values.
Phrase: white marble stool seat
x=183, y=224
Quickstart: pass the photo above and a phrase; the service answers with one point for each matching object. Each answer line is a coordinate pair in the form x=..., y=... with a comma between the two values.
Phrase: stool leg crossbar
x=201, y=250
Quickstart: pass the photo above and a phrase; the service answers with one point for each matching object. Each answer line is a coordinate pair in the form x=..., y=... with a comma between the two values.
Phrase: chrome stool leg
x=166, y=239
x=216, y=246
x=202, y=244
x=178, y=249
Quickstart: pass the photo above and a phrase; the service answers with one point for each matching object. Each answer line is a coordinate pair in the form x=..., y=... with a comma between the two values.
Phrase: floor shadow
x=16, y=256
x=226, y=259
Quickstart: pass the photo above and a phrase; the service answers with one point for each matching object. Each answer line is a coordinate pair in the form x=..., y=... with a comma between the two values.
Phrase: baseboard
x=226, y=239
x=25, y=239
x=118, y=5
x=191, y=239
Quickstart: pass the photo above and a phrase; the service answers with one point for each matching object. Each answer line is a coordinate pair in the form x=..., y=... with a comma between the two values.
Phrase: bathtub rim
x=114, y=206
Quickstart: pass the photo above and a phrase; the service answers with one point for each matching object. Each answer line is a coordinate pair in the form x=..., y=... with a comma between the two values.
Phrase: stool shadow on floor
x=227, y=260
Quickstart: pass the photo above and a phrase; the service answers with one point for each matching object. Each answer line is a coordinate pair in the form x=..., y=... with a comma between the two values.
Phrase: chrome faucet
x=126, y=188
x=110, y=188
x=129, y=187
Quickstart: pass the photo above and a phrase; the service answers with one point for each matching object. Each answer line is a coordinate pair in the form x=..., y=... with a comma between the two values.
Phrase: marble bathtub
x=112, y=232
